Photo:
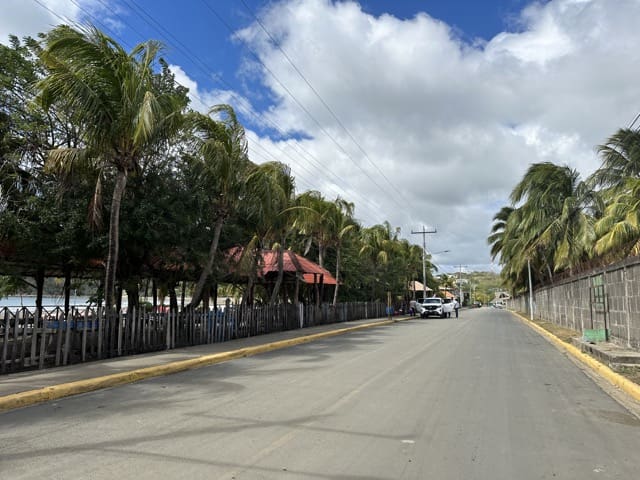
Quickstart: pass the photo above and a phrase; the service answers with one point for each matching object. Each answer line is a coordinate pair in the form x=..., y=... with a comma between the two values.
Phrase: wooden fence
x=30, y=339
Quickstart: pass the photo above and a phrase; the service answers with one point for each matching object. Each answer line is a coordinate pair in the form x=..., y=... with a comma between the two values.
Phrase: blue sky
x=422, y=113
x=198, y=34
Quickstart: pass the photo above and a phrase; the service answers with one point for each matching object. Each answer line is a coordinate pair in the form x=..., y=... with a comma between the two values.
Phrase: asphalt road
x=479, y=397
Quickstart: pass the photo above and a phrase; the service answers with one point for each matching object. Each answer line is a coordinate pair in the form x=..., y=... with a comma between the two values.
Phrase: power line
x=324, y=103
x=149, y=20
x=203, y=67
x=302, y=107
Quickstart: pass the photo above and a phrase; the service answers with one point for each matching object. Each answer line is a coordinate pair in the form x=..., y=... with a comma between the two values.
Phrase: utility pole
x=460, y=291
x=424, y=232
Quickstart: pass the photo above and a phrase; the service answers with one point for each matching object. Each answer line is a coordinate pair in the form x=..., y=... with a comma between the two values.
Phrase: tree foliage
x=82, y=120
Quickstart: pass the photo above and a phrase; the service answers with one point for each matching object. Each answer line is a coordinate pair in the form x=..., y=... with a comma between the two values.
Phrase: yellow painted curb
x=31, y=397
x=601, y=369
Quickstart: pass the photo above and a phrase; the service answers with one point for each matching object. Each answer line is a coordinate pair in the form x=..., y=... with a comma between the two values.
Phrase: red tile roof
x=311, y=272
x=292, y=262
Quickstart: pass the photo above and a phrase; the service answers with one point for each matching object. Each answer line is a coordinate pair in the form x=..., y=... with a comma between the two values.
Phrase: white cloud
x=452, y=125
x=203, y=100
x=28, y=17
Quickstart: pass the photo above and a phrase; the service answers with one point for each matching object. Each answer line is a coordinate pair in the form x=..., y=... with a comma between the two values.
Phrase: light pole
x=460, y=291
x=424, y=232
x=436, y=253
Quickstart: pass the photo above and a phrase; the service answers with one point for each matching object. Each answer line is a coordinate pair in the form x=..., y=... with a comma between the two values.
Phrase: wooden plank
x=34, y=340
x=146, y=330
x=23, y=342
x=119, y=317
x=134, y=330
x=5, y=344
x=174, y=328
x=93, y=338
x=14, y=343
x=67, y=337
x=83, y=346
x=43, y=341
x=168, y=332
x=100, y=332
x=59, y=320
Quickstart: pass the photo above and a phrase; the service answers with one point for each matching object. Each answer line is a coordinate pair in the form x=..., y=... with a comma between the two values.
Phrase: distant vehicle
x=430, y=306
x=476, y=304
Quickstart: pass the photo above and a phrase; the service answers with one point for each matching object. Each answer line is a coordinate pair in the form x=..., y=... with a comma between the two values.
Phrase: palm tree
x=310, y=220
x=271, y=188
x=618, y=230
x=499, y=230
x=223, y=166
x=411, y=262
x=620, y=159
x=378, y=244
x=552, y=227
x=124, y=109
x=341, y=223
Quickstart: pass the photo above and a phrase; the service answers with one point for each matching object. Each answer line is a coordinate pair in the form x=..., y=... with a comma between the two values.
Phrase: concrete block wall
x=568, y=303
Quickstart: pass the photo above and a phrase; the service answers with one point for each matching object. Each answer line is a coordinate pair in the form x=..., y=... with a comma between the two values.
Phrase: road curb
x=40, y=395
x=601, y=369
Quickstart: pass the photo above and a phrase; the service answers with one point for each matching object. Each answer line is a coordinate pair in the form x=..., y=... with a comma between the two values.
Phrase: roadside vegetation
x=563, y=225
x=107, y=175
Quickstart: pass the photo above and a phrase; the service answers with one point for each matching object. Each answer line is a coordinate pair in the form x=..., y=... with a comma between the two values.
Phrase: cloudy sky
x=422, y=113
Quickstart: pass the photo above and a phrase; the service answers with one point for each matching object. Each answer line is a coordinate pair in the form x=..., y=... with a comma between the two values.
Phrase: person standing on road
x=456, y=306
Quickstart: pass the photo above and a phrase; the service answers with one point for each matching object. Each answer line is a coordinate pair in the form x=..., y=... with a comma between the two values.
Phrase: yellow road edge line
x=601, y=369
x=54, y=392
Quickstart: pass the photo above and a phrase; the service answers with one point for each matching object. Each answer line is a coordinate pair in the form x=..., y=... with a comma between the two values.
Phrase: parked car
x=430, y=306
x=476, y=304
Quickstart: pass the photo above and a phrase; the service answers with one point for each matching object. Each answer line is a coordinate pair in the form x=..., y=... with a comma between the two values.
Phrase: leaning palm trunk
x=335, y=291
x=114, y=241
x=276, y=287
x=208, y=268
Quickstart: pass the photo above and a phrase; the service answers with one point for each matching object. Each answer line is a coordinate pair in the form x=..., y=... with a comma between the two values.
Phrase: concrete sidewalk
x=35, y=386
x=610, y=354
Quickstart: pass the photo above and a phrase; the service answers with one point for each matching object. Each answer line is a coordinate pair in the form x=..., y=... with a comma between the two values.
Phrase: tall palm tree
x=618, y=231
x=224, y=165
x=271, y=188
x=553, y=225
x=312, y=209
x=341, y=223
x=499, y=230
x=124, y=109
x=378, y=244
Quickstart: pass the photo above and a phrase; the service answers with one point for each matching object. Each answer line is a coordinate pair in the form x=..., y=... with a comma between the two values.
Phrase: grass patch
x=563, y=333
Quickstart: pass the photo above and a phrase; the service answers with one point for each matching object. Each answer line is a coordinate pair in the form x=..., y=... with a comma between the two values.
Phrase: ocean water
x=47, y=301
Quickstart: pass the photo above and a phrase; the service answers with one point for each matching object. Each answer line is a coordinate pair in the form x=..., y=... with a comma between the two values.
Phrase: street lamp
x=424, y=277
